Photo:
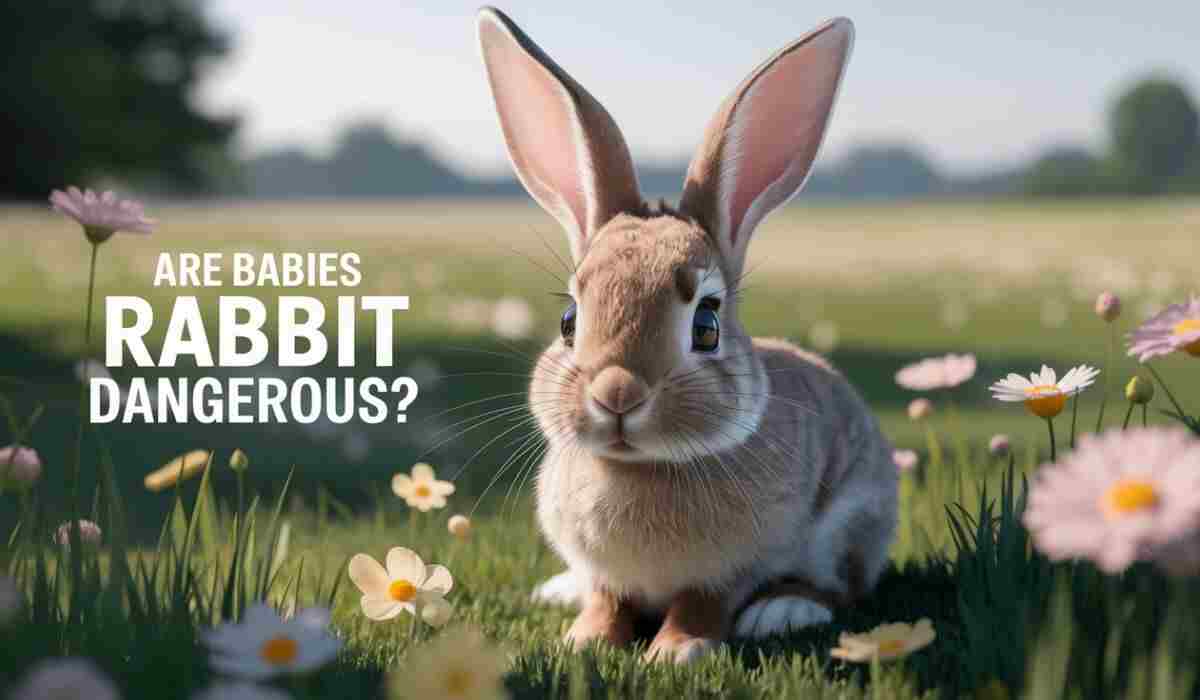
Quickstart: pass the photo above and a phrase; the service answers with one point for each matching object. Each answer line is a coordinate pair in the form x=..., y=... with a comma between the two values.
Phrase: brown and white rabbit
x=728, y=485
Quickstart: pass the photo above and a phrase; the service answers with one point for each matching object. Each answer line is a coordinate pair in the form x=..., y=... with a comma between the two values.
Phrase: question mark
x=409, y=396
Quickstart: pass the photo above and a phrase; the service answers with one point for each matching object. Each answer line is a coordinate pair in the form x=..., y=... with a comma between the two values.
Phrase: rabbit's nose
x=618, y=390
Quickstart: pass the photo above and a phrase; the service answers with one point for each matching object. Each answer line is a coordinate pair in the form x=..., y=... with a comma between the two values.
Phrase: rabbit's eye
x=706, y=328
x=567, y=325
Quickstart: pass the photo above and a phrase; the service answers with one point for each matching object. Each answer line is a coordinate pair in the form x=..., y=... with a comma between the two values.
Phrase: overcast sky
x=976, y=84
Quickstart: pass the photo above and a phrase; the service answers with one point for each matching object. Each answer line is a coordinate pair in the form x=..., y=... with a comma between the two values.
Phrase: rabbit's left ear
x=760, y=147
x=566, y=149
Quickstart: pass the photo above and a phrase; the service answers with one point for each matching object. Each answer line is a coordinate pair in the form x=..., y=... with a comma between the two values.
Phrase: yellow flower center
x=422, y=491
x=1129, y=496
x=889, y=647
x=279, y=651
x=1045, y=400
x=457, y=682
x=1184, y=327
x=402, y=590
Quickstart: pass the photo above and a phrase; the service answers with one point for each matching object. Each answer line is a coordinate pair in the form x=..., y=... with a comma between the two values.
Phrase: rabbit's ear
x=760, y=146
x=566, y=149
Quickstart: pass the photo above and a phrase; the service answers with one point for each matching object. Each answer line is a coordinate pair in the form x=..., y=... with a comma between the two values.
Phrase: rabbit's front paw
x=562, y=589
x=680, y=650
x=777, y=615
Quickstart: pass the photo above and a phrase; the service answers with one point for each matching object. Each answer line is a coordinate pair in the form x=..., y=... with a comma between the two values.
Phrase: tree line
x=102, y=90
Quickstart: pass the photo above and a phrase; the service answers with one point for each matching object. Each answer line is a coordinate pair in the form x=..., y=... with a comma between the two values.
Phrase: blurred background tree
x=1154, y=128
x=1155, y=133
x=97, y=89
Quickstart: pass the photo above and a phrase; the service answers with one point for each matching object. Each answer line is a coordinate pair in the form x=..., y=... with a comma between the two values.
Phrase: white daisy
x=404, y=585
x=264, y=645
x=1044, y=394
x=421, y=489
x=459, y=665
x=65, y=678
x=240, y=690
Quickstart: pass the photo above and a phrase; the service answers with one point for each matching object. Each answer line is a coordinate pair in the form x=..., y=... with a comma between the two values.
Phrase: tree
x=1155, y=132
x=104, y=88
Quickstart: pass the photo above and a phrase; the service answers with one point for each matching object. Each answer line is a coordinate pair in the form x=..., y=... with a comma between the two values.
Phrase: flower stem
x=1074, y=417
x=75, y=538
x=1127, y=415
x=416, y=621
x=1163, y=384
x=1143, y=415
x=1053, y=450
x=1108, y=371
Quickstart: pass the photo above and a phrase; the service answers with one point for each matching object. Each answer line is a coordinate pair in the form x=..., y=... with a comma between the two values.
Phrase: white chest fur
x=651, y=531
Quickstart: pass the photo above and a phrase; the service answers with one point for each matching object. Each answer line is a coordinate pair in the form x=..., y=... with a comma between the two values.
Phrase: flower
x=182, y=468
x=240, y=690
x=436, y=612
x=1139, y=390
x=512, y=318
x=238, y=461
x=264, y=645
x=19, y=465
x=89, y=533
x=1176, y=327
x=10, y=599
x=422, y=490
x=101, y=216
x=458, y=665
x=1108, y=306
x=66, y=679
x=459, y=526
x=404, y=585
x=1043, y=393
x=937, y=372
x=919, y=408
x=999, y=445
x=890, y=641
x=1117, y=497
x=906, y=460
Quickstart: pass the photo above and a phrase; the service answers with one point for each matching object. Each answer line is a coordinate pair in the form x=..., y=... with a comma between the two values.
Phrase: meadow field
x=872, y=286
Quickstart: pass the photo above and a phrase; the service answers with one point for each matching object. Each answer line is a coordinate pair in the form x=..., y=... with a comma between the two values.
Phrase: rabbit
x=714, y=484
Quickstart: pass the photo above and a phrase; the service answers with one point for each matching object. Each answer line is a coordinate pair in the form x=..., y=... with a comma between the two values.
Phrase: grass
x=899, y=282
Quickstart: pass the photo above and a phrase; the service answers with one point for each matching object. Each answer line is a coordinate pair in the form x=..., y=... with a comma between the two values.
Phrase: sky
x=976, y=85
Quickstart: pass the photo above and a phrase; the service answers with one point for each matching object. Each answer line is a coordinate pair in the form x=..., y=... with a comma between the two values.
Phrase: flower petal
x=368, y=575
x=379, y=609
x=437, y=579
x=403, y=563
x=402, y=485
x=422, y=472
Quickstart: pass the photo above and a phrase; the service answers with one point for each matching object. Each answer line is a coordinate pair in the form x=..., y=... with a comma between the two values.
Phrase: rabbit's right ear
x=760, y=147
x=566, y=149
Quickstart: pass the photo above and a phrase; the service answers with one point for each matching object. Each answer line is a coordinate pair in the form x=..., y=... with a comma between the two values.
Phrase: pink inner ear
x=779, y=124
x=537, y=123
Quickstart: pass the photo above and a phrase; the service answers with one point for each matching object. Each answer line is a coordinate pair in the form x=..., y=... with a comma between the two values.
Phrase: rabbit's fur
x=745, y=489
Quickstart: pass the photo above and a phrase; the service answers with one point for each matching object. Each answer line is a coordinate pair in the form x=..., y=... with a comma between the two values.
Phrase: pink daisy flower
x=906, y=460
x=937, y=372
x=1117, y=498
x=1176, y=327
x=89, y=533
x=101, y=215
x=19, y=465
